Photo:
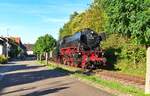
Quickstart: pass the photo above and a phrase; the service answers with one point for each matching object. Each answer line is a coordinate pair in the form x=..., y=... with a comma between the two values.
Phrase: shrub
x=3, y=59
x=122, y=54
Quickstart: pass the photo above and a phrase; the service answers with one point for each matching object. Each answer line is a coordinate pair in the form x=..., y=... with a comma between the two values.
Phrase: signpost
x=147, y=81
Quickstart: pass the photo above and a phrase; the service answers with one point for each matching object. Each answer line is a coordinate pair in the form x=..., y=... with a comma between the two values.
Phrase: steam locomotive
x=81, y=49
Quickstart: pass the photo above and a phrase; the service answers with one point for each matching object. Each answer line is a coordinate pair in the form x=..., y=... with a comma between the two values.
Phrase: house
x=29, y=49
x=12, y=47
x=17, y=42
x=2, y=47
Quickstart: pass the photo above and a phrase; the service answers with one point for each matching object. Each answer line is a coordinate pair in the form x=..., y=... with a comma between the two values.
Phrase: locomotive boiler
x=81, y=49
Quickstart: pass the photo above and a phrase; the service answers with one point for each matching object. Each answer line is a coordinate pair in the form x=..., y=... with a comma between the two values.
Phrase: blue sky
x=30, y=19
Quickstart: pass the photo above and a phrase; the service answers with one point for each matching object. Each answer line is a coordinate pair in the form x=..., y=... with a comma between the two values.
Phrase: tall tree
x=93, y=18
x=44, y=44
x=73, y=15
x=128, y=17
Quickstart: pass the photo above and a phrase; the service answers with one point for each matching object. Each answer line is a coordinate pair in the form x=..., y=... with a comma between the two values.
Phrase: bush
x=134, y=53
x=3, y=59
x=122, y=54
x=113, y=47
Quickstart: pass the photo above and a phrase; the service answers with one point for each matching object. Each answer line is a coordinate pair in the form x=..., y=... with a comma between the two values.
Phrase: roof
x=16, y=39
x=29, y=47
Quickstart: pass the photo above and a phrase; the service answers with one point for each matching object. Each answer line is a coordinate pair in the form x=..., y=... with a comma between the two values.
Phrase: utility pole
x=7, y=30
x=147, y=81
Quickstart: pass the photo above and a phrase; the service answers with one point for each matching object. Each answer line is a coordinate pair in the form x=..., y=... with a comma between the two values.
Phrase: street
x=26, y=78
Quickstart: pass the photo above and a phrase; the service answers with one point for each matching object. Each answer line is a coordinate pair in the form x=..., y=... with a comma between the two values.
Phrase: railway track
x=117, y=76
x=121, y=77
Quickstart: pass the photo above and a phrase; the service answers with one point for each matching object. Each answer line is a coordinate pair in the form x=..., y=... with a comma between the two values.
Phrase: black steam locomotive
x=81, y=49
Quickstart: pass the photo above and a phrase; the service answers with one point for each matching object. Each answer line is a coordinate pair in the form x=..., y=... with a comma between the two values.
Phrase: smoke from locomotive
x=81, y=49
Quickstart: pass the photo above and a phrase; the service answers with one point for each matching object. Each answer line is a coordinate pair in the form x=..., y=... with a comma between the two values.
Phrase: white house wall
x=30, y=52
x=1, y=50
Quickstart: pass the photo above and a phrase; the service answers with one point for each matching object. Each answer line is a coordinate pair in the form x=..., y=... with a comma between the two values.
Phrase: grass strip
x=78, y=73
x=112, y=84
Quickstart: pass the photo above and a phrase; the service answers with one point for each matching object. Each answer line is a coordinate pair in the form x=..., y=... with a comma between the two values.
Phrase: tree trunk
x=147, y=81
x=50, y=54
x=46, y=58
x=40, y=57
x=37, y=57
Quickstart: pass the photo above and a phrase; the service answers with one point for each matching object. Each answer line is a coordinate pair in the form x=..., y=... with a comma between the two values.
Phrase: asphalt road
x=25, y=78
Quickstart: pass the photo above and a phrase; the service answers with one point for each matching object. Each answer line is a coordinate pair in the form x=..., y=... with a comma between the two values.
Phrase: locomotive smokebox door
x=102, y=36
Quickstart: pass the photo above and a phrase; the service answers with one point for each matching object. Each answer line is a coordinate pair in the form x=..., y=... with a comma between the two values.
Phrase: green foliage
x=3, y=59
x=133, y=53
x=44, y=44
x=127, y=22
x=72, y=16
x=93, y=18
x=14, y=49
x=128, y=17
x=124, y=55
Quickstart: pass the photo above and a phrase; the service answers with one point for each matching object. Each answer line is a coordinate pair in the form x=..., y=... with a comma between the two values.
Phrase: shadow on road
x=26, y=58
x=14, y=79
x=47, y=91
x=14, y=67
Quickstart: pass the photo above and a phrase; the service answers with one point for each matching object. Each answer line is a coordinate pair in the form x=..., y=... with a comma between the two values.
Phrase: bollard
x=37, y=57
x=147, y=81
x=46, y=58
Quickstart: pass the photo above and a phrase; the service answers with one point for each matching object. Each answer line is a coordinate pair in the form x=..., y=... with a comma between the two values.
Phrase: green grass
x=77, y=73
x=113, y=85
x=130, y=69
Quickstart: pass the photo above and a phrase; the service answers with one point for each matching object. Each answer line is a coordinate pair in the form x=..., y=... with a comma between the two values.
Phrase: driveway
x=26, y=78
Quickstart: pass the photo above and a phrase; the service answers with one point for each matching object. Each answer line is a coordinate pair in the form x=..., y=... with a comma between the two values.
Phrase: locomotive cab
x=90, y=39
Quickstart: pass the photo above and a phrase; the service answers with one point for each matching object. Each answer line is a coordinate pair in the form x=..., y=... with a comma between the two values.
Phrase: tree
x=93, y=18
x=44, y=44
x=72, y=16
x=128, y=17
